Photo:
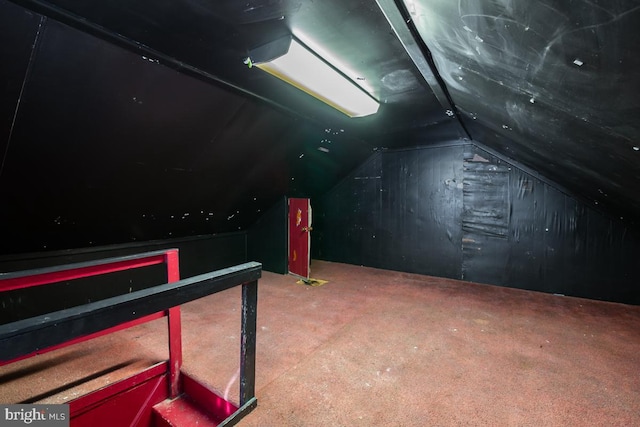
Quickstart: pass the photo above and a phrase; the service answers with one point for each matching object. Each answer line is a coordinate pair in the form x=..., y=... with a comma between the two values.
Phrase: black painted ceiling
x=553, y=84
x=141, y=116
x=212, y=38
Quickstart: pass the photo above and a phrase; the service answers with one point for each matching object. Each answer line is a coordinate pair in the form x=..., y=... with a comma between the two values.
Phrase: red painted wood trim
x=132, y=407
x=175, y=351
x=173, y=265
x=77, y=273
x=207, y=398
x=95, y=398
x=175, y=327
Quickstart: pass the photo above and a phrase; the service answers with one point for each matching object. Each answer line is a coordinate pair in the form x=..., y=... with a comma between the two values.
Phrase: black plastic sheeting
x=522, y=232
x=459, y=212
x=486, y=197
x=401, y=210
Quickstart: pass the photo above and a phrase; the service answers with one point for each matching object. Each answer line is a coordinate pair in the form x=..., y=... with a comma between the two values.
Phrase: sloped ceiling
x=553, y=84
x=142, y=117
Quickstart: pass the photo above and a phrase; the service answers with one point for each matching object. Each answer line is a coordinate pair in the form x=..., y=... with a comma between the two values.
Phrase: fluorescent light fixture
x=290, y=61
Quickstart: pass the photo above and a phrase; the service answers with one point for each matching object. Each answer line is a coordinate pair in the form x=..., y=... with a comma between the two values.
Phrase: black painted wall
x=457, y=211
x=267, y=239
x=401, y=211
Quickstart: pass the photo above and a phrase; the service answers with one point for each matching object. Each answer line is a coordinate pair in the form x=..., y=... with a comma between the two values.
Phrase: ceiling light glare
x=303, y=69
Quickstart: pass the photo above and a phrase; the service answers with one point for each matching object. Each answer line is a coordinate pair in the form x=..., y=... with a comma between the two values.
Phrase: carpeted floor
x=374, y=347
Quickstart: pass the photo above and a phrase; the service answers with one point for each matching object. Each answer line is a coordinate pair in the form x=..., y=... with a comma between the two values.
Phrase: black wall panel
x=422, y=189
x=486, y=218
x=346, y=221
x=401, y=211
x=267, y=239
x=462, y=213
x=553, y=243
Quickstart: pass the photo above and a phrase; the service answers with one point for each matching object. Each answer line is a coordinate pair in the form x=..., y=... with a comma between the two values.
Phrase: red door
x=299, y=237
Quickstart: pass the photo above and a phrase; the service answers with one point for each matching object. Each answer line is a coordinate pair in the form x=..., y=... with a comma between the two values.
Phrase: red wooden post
x=175, y=337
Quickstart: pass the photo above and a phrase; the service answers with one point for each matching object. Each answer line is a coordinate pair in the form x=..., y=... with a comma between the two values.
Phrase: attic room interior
x=461, y=251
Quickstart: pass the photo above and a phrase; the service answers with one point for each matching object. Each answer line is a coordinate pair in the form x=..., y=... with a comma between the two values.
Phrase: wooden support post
x=175, y=328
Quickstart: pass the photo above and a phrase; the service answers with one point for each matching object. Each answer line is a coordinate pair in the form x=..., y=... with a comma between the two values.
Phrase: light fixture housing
x=291, y=61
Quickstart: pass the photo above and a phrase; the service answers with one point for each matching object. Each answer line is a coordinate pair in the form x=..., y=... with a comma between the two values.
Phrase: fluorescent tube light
x=303, y=69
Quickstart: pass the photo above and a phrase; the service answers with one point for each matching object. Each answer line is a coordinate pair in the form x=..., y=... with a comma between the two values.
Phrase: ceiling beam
x=402, y=25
